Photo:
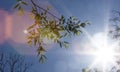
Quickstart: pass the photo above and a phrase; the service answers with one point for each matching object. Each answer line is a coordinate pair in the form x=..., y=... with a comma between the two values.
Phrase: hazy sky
x=98, y=12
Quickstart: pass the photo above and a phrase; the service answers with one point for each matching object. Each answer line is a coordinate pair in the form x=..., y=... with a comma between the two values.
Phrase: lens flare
x=25, y=31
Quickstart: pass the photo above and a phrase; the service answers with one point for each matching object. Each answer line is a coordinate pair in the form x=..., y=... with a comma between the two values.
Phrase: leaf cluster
x=19, y=7
x=48, y=26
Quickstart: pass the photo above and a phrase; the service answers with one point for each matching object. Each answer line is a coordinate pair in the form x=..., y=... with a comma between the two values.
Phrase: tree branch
x=43, y=9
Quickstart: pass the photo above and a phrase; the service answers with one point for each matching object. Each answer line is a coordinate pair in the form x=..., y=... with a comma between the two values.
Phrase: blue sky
x=98, y=12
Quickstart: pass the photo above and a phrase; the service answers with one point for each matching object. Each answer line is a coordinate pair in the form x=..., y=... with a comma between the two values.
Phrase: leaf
x=42, y=49
x=41, y=59
x=44, y=56
x=20, y=11
x=78, y=32
x=66, y=44
x=48, y=7
x=33, y=11
x=32, y=16
x=37, y=16
x=83, y=25
x=30, y=43
x=65, y=34
x=29, y=37
x=32, y=32
x=38, y=29
x=61, y=36
x=16, y=6
x=24, y=3
x=51, y=36
x=32, y=26
x=60, y=44
x=63, y=21
x=57, y=33
x=35, y=41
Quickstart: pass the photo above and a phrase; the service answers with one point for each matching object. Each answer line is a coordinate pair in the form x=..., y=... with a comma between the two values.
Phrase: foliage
x=48, y=26
x=91, y=70
x=115, y=31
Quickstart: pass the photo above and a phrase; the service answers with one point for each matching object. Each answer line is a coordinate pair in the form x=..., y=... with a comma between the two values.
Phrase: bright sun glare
x=104, y=50
x=104, y=56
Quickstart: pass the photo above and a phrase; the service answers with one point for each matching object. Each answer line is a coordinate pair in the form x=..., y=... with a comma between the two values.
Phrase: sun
x=104, y=56
x=104, y=50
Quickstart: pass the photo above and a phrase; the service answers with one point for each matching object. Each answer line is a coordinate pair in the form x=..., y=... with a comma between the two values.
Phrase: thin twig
x=34, y=5
x=43, y=9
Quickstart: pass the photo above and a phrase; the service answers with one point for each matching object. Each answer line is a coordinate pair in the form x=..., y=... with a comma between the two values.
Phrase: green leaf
x=66, y=45
x=60, y=44
x=66, y=42
x=44, y=56
x=78, y=33
x=48, y=7
x=65, y=34
x=61, y=36
x=83, y=25
x=42, y=59
x=35, y=41
x=42, y=49
x=16, y=6
x=24, y=3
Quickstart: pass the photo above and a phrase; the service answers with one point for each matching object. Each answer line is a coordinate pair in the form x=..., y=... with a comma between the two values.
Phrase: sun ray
x=104, y=49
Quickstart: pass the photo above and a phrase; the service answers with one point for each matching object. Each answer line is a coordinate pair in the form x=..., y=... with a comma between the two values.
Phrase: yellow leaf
x=29, y=37
x=38, y=29
x=32, y=26
x=20, y=11
x=30, y=42
x=32, y=16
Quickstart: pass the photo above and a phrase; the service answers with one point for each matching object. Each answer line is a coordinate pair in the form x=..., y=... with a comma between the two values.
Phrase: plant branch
x=43, y=9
